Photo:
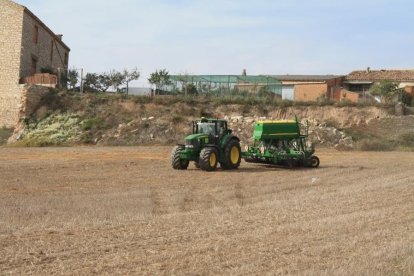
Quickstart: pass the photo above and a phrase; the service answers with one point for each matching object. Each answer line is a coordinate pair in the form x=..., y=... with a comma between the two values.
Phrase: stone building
x=27, y=47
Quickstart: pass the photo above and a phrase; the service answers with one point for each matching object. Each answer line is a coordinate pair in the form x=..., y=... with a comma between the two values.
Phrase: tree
x=130, y=76
x=104, y=82
x=73, y=78
x=160, y=79
x=91, y=82
x=116, y=79
x=385, y=89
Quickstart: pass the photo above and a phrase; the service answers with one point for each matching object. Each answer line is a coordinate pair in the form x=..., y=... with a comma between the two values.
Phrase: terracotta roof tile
x=379, y=75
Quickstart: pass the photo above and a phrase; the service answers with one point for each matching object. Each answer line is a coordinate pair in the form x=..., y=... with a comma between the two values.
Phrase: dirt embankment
x=64, y=119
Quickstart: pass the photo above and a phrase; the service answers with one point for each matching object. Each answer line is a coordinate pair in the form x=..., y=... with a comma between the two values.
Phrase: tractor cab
x=214, y=128
x=210, y=143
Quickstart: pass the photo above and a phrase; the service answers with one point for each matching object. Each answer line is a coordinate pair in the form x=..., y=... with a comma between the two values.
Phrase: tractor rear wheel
x=208, y=159
x=176, y=162
x=232, y=155
x=314, y=162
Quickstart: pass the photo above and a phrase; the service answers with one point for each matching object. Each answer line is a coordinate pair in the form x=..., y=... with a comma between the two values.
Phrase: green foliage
x=407, y=98
x=102, y=82
x=47, y=70
x=130, y=75
x=385, y=89
x=191, y=89
x=91, y=82
x=58, y=129
x=160, y=78
x=73, y=78
x=92, y=124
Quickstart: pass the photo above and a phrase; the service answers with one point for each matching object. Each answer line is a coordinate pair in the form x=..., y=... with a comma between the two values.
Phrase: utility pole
x=81, y=82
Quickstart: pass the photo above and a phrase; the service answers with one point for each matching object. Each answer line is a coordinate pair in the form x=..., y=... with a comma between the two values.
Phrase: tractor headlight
x=191, y=144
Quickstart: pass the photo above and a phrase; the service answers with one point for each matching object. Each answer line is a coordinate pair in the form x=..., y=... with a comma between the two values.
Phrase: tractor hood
x=196, y=136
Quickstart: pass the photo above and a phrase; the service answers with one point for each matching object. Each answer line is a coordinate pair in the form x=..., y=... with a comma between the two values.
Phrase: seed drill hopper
x=281, y=143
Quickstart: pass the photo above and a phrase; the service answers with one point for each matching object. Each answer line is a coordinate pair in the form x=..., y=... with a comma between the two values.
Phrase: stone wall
x=17, y=50
x=31, y=95
x=47, y=49
x=11, y=18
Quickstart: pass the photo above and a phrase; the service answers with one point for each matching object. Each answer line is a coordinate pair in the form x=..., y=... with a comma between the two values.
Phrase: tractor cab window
x=222, y=127
x=207, y=128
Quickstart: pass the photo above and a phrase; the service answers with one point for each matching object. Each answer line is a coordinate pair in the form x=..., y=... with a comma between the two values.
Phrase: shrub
x=376, y=145
x=177, y=119
x=407, y=139
x=92, y=124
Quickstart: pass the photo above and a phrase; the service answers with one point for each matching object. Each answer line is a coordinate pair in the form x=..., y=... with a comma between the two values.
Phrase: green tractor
x=281, y=143
x=211, y=142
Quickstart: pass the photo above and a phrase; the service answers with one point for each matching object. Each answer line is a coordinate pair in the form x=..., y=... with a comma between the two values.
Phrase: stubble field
x=125, y=211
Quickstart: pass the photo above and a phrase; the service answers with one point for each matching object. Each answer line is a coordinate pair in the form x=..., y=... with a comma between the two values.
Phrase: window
x=35, y=34
x=66, y=58
x=34, y=65
x=51, y=51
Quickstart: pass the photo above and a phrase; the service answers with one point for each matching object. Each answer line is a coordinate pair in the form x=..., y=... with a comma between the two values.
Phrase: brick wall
x=310, y=92
x=11, y=18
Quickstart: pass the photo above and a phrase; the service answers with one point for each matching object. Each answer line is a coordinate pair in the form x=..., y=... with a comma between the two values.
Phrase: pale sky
x=223, y=37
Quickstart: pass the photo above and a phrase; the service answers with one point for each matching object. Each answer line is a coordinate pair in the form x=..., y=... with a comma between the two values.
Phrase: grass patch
x=59, y=129
x=93, y=124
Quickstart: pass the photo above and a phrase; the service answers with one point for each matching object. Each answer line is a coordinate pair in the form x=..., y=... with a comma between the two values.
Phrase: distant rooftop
x=379, y=75
x=305, y=77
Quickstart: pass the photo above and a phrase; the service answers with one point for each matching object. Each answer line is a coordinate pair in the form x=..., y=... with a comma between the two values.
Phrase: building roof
x=379, y=75
x=305, y=77
x=57, y=38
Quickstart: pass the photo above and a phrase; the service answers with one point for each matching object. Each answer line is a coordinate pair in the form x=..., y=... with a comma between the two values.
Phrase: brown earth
x=124, y=210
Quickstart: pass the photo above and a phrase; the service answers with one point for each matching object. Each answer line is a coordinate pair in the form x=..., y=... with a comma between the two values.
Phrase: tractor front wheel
x=208, y=159
x=232, y=155
x=314, y=162
x=176, y=162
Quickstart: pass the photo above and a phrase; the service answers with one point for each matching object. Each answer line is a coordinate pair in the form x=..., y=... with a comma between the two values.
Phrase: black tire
x=208, y=159
x=232, y=155
x=176, y=162
x=314, y=162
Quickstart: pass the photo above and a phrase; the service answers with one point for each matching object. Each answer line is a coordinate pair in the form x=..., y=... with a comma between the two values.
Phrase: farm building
x=312, y=87
x=28, y=47
x=362, y=81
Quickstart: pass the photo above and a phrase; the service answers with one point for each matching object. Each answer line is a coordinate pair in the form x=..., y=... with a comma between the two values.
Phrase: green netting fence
x=222, y=85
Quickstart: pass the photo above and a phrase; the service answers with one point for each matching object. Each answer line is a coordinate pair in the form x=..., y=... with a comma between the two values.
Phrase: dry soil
x=125, y=211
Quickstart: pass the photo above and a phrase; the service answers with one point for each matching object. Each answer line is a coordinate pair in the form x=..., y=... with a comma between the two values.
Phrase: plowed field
x=125, y=211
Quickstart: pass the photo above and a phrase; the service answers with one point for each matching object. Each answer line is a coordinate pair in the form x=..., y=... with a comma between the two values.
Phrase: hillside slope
x=73, y=119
